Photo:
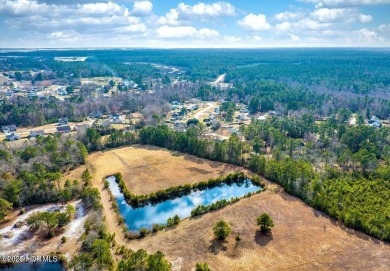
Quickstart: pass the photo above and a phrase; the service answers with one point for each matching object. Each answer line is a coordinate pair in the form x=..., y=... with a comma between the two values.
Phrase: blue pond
x=145, y=217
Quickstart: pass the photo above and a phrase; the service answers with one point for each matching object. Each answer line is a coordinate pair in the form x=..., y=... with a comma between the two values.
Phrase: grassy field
x=302, y=239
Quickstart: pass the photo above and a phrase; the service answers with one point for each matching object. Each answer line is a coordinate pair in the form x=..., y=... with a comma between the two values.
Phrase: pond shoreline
x=153, y=213
x=182, y=190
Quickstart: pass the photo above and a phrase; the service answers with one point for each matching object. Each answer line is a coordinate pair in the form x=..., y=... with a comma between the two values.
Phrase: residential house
x=374, y=122
x=62, y=121
x=37, y=133
x=9, y=128
x=82, y=126
x=63, y=129
x=12, y=137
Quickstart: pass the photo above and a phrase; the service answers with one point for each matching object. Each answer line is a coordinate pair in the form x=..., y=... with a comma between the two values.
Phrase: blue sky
x=199, y=24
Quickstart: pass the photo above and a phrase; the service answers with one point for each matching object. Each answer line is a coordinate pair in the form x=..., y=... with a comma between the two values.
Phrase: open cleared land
x=146, y=170
x=303, y=239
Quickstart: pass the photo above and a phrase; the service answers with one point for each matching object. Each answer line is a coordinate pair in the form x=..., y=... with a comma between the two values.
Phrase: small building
x=115, y=116
x=98, y=114
x=214, y=122
x=180, y=127
x=81, y=127
x=274, y=113
x=63, y=121
x=106, y=123
x=9, y=128
x=37, y=133
x=64, y=129
x=374, y=122
x=12, y=137
x=234, y=131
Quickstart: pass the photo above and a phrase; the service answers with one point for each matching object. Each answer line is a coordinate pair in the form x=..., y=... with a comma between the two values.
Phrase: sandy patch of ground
x=303, y=239
x=19, y=240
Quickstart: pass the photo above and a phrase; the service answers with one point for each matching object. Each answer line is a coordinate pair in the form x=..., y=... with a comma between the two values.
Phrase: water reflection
x=145, y=217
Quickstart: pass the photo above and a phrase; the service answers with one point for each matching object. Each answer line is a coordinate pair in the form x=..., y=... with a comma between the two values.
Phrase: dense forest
x=356, y=70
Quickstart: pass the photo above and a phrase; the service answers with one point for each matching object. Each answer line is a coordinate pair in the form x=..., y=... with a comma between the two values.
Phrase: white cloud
x=257, y=38
x=184, y=13
x=171, y=18
x=216, y=9
x=142, y=8
x=349, y=15
x=180, y=32
x=365, y=35
x=254, y=22
x=134, y=28
x=64, y=36
x=285, y=26
x=22, y=7
x=81, y=18
x=231, y=38
x=305, y=25
x=205, y=32
x=384, y=29
x=346, y=3
x=294, y=37
x=288, y=16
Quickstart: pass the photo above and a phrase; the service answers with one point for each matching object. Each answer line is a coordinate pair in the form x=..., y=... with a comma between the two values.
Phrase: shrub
x=143, y=232
x=265, y=222
x=157, y=227
x=238, y=237
x=221, y=230
x=202, y=267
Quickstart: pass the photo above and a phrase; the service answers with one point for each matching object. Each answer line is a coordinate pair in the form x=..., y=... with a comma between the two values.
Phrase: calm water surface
x=145, y=217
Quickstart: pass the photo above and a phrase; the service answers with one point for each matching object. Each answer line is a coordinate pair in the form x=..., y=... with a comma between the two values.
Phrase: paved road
x=209, y=106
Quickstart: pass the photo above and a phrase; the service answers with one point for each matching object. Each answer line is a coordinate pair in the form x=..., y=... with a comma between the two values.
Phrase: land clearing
x=18, y=240
x=302, y=239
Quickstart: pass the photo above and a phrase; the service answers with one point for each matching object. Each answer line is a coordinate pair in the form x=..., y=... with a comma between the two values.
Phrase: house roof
x=13, y=135
x=82, y=126
x=65, y=128
x=38, y=132
x=10, y=126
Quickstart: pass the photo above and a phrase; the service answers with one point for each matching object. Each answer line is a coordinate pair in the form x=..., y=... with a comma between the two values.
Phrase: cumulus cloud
x=82, y=18
x=350, y=15
x=180, y=32
x=207, y=10
x=346, y=3
x=365, y=35
x=133, y=28
x=69, y=37
x=184, y=12
x=288, y=16
x=142, y=8
x=231, y=38
x=171, y=17
x=254, y=22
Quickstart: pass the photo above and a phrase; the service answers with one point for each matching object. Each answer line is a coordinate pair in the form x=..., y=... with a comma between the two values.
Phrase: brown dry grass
x=302, y=239
x=147, y=169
